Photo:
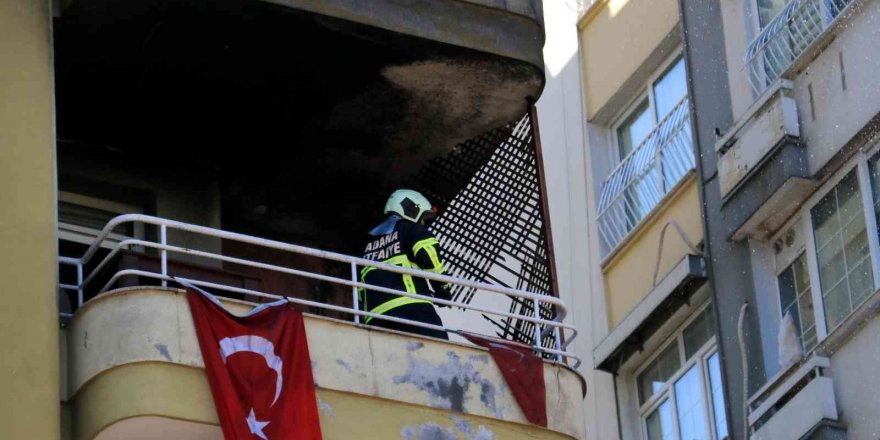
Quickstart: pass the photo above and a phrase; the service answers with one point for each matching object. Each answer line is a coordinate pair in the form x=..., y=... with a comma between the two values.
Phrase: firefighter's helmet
x=410, y=205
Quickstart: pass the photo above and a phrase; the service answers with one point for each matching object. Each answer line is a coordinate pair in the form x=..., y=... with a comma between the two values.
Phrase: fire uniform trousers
x=400, y=242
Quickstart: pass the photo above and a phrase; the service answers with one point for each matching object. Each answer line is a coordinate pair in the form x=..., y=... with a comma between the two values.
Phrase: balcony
x=139, y=340
x=795, y=30
x=798, y=403
x=644, y=177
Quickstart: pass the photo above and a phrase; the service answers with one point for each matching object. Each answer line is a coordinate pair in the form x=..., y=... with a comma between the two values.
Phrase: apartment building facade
x=785, y=99
x=654, y=356
x=222, y=133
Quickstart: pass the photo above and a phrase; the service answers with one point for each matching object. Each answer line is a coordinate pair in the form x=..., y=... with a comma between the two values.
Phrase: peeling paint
x=345, y=365
x=325, y=407
x=482, y=358
x=314, y=376
x=413, y=346
x=447, y=384
x=163, y=350
x=483, y=433
x=434, y=431
x=462, y=424
x=427, y=431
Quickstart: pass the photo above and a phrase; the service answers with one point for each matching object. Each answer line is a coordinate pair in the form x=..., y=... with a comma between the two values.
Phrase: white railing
x=544, y=327
x=641, y=180
x=788, y=36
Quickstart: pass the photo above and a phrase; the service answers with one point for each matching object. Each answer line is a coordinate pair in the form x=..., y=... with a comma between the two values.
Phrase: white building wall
x=572, y=206
x=857, y=382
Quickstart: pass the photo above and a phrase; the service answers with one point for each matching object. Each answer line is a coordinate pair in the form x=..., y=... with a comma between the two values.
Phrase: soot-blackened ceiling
x=310, y=121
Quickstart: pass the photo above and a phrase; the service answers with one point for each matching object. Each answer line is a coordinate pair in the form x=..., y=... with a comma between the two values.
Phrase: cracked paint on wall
x=447, y=384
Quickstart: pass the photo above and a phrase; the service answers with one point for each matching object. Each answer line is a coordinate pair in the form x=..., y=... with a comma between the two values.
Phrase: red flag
x=259, y=369
x=524, y=373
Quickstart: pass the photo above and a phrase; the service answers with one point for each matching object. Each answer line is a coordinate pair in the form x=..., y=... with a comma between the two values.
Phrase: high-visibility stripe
x=428, y=246
x=428, y=242
x=393, y=304
x=397, y=260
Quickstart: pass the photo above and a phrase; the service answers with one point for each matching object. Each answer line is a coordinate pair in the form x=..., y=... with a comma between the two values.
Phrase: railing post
x=354, y=293
x=537, y=304
x=558, y=343
x=163, y=239
x=79, y=284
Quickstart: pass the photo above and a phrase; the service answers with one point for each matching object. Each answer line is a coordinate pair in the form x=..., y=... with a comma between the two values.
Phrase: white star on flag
x=256, y=426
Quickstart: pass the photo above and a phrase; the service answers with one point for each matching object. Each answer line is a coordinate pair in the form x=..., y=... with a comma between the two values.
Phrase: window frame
x=778, y=270
x=667, y=393
x=756, y=17
x=803, y=222
x=646, y=92
x=86, y=235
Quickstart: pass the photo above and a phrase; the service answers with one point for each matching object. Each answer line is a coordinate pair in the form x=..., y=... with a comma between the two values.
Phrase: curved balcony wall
x=134, y=371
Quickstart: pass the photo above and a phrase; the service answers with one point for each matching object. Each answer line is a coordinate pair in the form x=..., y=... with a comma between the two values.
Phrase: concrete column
x=29, y=357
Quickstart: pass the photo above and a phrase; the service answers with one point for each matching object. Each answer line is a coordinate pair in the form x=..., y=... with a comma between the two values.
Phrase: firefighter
x=404, y=240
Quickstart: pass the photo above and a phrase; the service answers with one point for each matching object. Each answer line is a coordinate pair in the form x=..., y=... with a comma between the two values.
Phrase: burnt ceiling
x=308, y=121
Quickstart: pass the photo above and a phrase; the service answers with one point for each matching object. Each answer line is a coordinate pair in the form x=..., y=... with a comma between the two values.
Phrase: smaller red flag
x=259, y=369
x=524, y=373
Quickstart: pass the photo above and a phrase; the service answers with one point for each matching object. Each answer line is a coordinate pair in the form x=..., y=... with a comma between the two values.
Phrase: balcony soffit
x=347, y=102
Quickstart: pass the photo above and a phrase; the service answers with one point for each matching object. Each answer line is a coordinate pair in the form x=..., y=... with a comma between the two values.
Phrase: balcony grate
x=788, y=36
x=492, y=224
x=641, y=180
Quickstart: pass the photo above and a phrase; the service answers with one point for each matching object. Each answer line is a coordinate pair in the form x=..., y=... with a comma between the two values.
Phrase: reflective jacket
x=400, y=242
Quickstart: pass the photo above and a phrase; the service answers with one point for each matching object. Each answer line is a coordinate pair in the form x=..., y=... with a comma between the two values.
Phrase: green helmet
x=410, y=205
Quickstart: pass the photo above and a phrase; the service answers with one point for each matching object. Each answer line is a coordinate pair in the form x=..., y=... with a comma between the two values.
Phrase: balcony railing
x=641, y=180
x=91, y=272
x=788, y=36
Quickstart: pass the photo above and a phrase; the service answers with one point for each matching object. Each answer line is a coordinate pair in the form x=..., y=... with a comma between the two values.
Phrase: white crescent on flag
x=258, y=345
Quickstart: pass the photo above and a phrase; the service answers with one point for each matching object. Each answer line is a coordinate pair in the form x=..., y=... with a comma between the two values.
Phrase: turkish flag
x=523, y=371
x=259, y=369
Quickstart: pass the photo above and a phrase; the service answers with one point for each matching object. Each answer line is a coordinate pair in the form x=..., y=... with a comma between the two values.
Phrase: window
x=768, y=10
x=680, y=392
x=786, y=29
x=634, y=129
x=842, y=250
x=823, y=279
x=653, y=144
x=795, y=297
x=717, y=396
x=81, y=219
x=666, y=92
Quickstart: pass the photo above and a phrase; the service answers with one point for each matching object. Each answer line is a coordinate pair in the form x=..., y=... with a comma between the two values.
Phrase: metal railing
x=788, y=36
x=641, y=180
x=85, y=278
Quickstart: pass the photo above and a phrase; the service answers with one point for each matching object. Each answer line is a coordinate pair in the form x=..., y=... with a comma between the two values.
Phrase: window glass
x=634, y=129
x=690, y=406
x=659, y=423
x=768, y=10
x=698, y=333
x=670, y=89
x=679, y=394
x=795, y=297
x=717, y=397
x=842, y=250
x=874, y=169
x=658, y=372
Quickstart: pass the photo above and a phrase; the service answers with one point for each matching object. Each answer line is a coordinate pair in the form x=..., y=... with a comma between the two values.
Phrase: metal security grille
x=492, y=224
